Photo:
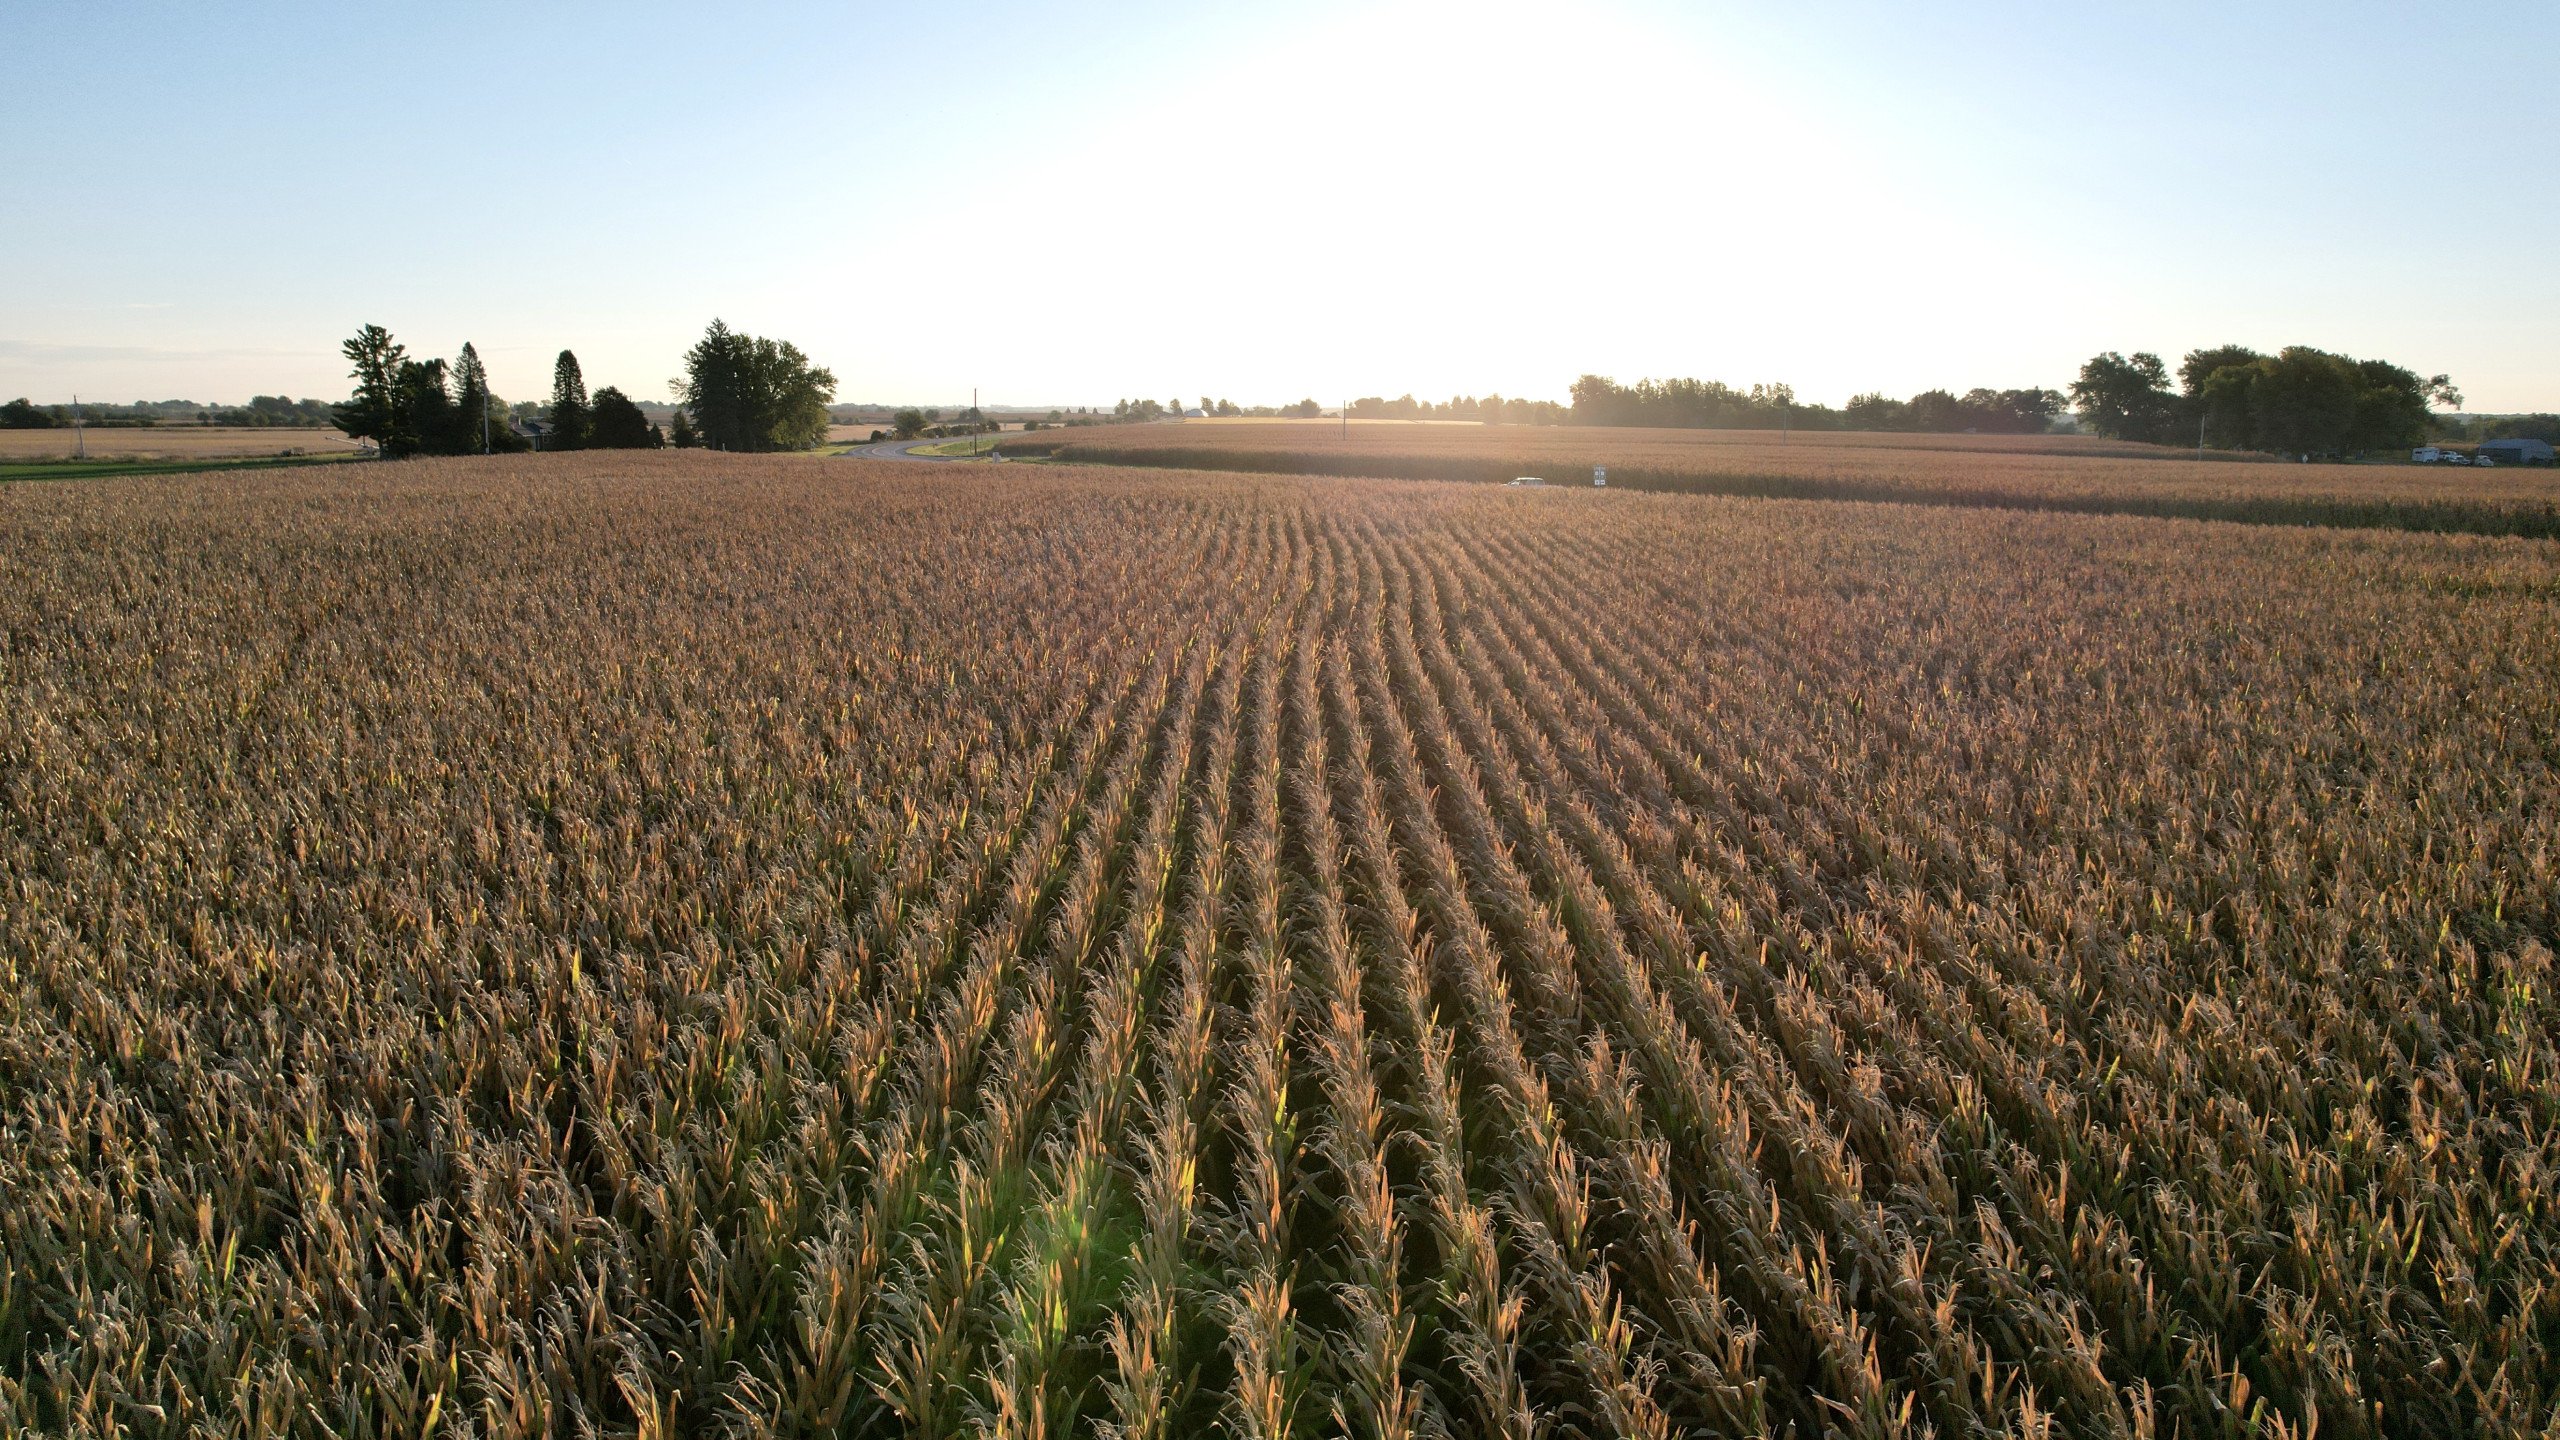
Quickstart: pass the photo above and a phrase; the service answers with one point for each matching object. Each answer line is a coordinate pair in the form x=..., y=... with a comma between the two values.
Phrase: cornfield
x=690, y=945
x=2076, y=474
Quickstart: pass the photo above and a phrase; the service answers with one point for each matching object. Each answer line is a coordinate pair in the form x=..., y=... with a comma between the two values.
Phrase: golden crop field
x=2074, y=473
x=679, y=944
x=172, y=442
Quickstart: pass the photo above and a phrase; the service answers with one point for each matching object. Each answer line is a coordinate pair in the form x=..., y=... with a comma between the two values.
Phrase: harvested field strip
x=1830, y=467
x=707, y=946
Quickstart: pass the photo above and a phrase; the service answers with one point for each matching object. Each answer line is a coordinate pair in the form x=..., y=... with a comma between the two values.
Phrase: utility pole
x=484, y=416
x=1346, y=419
x=978, y=418
x=79, y=437
x=2200, y=414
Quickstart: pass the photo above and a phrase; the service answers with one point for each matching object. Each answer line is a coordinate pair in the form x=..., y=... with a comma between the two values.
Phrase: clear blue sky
x=1069, y=204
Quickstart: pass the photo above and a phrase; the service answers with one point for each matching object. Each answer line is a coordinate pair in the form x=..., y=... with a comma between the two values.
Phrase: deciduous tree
x=2126, y=399
x=615, y=423
x=751, y=393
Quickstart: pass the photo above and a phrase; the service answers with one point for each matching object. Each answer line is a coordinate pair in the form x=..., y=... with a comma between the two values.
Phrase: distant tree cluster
x=910, y=423
x=431, y=407
x=2298, y=401
x=1132, y=412
x=748, y=393
x=1685, y=404
x=262, y=411
x=1941, y=412
x=1490, y=409
x=420, y=407
x=268, y=412
x=2542, y=427
x=1712, y=404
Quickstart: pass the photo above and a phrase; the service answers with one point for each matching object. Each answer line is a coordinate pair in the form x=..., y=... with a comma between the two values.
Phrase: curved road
x=905, y=450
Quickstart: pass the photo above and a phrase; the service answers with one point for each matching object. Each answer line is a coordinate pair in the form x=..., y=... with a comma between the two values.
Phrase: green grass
x=102, y=469
x=973, y=445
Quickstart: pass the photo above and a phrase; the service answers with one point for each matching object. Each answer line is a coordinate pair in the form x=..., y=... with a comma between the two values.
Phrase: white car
x=2484, y=462
x=1528, y=480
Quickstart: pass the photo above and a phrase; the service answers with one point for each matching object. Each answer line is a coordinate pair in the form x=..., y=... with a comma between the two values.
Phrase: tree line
x=262, y=412
x=2540, y=426
x=1136, y=412
x=1687, y=404
x=1712, y=404
x=2298, y=401
x=1490, y=410
x=741, y=392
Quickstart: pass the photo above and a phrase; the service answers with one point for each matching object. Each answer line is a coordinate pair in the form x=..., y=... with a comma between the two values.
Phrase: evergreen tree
x=427, y=419
x=473, y=413
x=373, y=412
x=568, y=404
x=718, y=385
x=685, y=439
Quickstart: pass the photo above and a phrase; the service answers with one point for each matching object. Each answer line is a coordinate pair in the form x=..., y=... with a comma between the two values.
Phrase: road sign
x=1599, y=475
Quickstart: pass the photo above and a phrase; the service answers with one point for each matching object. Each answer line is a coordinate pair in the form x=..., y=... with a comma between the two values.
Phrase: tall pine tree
x=373, y=412
x=471, y=401
x=719, y=381
x=428, y=422
x=568, y=404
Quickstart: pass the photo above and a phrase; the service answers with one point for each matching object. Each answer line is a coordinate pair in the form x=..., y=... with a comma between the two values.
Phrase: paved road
x=905, y=450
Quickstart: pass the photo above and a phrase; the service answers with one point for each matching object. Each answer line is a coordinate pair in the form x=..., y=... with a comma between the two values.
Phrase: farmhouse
x=2516, y=452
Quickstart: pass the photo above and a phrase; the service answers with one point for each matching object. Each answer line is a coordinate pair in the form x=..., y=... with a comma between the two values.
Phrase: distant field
x=700, y=945
x=973, y=445
x=1440, y=432
x=839, y=434
x=173, y=442
x=55, y=468
x=2077, y=473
